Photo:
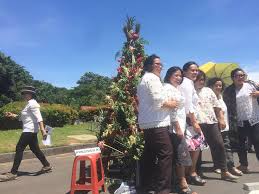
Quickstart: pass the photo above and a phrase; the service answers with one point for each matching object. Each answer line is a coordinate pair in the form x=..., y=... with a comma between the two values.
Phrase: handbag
x=194, y=140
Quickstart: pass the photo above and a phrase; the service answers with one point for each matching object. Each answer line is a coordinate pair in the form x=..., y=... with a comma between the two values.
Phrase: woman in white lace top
x=211, y=120
x=217, y=85
x=182, y=158
x=243, y=110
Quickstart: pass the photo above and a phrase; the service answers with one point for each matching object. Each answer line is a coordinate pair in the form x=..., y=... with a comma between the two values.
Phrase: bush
x=89, y=113
x=7, y=122
x=55, y=115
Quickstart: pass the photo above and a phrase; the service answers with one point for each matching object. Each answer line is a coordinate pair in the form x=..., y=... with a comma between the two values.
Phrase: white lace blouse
x=177, y=114
x=247, y=106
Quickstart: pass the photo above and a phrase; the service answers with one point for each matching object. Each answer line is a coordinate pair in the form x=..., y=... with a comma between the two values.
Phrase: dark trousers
x=229, y=152
x=30, y=139
x=214, y=138
x=157, y=160
x=248, y=131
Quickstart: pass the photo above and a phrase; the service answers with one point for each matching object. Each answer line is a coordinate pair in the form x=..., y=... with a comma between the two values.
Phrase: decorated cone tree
x=120, y=139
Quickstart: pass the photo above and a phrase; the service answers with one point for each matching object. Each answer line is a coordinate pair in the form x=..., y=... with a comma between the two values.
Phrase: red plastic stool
x=96, y=168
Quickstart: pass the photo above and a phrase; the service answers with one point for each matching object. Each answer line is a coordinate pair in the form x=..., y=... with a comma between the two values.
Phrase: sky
x=58, y=41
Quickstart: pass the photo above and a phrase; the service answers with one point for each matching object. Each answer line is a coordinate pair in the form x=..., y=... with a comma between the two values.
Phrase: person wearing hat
x=32, y=122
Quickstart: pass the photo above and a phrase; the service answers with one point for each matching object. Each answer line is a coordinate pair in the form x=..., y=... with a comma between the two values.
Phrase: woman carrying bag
x=32, y=122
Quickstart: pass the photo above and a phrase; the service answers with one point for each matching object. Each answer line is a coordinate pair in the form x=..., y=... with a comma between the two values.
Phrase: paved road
x=58, y=182
x=216, y=186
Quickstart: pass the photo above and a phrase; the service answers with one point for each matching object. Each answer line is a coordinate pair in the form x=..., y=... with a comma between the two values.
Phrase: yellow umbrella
x=221, y=70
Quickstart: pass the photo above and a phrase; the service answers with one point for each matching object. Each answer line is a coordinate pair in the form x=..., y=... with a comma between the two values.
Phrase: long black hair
x=211, y=82
x=170, y=72
x=187, y=65
x=148, y=64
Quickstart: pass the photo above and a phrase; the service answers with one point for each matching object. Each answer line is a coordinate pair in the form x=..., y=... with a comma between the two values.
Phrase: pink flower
x=135, y=36
x=100, y=144
x=119, y=69
x=139, y=60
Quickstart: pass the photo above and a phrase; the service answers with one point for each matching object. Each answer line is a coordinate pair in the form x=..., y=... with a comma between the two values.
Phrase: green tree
x=48, y=93
x=91, y=90
x=12, y=78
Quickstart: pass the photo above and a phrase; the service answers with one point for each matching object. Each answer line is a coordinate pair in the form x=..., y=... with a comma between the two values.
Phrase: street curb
x=8, y=157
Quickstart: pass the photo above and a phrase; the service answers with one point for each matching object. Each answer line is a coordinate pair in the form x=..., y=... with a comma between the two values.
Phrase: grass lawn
x=9, y=138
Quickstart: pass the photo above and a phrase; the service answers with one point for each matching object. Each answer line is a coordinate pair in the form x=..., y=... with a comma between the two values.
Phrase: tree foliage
x=48, y=93
x=12, y=78
x=91, y=90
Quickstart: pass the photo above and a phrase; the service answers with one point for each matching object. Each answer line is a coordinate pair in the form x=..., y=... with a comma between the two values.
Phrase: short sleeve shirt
x=206, y=104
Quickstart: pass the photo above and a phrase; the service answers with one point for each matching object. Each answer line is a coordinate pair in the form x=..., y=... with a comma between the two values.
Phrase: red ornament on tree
x=135, y=36
x=139, y=59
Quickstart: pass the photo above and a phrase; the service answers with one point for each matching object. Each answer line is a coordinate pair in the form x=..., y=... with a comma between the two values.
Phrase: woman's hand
x=196, y=127
x=10, y=115
x=43, y=131
x=171, y=104
x=222, y=124
x=44, y=134
x=254, y=94
x=179, y=133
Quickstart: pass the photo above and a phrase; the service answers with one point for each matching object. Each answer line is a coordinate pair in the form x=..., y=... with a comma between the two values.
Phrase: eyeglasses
x=159, y=64
x=240, y=76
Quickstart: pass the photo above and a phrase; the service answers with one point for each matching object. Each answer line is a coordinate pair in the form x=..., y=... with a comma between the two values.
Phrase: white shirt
x=191, y=101
x=177, y=114
x=151, y=98
x=247, y=106
x=190, y=95
x=31, y=116
x=223, y=107
x=205, y=107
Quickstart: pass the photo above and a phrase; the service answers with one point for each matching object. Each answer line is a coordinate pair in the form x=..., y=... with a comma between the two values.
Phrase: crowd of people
x=180, y=116
x=185, y=114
